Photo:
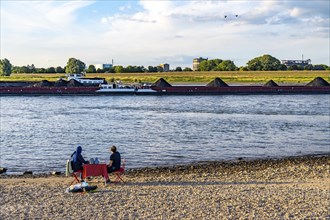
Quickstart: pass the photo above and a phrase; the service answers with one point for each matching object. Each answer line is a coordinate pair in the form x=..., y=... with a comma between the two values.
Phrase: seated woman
x=115, y=160
x=78, y=160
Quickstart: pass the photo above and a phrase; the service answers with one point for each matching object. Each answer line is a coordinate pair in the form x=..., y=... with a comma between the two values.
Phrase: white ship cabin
x=80, y=77
x=116, y=85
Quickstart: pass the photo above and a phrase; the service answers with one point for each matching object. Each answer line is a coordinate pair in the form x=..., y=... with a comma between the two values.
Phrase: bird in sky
x=226, y=16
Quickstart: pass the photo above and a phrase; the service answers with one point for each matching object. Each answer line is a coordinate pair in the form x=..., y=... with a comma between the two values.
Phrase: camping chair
x=119, y=173
x=70, y=172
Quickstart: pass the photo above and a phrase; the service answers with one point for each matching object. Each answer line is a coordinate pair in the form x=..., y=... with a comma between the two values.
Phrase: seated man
x=78, y=160
x=115, y=160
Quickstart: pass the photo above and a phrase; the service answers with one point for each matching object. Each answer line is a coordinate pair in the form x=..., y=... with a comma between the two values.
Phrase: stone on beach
x=3, y=170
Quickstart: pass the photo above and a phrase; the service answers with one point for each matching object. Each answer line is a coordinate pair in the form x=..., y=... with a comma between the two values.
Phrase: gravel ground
x=291, y=188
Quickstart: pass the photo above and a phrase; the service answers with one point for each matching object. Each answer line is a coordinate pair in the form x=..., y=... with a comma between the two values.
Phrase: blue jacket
x=77, y=159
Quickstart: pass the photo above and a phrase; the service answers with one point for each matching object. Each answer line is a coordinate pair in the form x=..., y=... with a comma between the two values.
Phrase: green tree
x=5, y=67
x=51, y=70
x=243, y=68
x=283, y=67
x=308, y=67
x=23, y=69
x=160, y=69
x=214, y=63
x=140, y=69
x=41, y=70
x=100, y=70
x=320, y=67
x=187, y=69
x=59, y=69
x=119, y=69
x=205, y=65
x=178, y=69
x=32, y=68
x=295, y=67
x=208, y=65
x=91, y=69
x=226, y=65
x=265, y=63
x=129, y=69
x=75, y=66
x=152, y=69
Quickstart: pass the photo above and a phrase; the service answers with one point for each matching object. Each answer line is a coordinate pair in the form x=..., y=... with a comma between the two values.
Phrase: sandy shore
x=292, y=188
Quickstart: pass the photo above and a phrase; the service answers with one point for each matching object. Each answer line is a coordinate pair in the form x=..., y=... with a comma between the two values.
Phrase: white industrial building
x=103, y=66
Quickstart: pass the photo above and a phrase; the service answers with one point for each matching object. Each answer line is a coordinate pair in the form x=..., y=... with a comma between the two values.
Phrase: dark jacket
x=116, y=160
x=77, y=160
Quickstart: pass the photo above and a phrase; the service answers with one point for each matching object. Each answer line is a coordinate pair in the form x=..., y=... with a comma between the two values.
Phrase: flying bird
x=226, y=16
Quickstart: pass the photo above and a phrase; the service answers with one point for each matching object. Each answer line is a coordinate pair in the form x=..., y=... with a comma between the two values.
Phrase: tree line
x=262, y=63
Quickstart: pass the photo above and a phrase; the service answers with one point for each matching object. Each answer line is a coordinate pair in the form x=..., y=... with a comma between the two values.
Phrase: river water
x=39, y=133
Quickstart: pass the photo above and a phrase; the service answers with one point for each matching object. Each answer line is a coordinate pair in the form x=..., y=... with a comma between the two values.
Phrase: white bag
x=68, y=169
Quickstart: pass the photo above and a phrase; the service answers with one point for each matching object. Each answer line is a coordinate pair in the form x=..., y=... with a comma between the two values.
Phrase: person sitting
x=78, y=160
x=115, y=160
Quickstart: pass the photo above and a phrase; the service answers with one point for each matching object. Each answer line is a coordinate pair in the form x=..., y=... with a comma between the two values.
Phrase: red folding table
x=95, y=170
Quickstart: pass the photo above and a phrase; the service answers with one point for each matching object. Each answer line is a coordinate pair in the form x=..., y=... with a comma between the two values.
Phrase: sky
x=47, y=33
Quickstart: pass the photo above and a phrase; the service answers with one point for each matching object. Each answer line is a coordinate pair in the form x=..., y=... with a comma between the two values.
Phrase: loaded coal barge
x=219, y=87
x=161, y=87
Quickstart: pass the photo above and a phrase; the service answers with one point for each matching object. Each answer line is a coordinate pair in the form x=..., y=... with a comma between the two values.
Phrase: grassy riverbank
x=231, y=77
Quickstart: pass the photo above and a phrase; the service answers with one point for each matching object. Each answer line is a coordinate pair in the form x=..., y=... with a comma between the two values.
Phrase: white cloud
x=31, y=15
x=172, y=31
x=125, y=7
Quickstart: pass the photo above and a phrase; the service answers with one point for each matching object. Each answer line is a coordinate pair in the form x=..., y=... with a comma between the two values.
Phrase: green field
x=230, y=77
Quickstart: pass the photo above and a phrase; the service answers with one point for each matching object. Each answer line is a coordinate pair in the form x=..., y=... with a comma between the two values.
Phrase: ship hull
x=241, y=90
x=173, y=90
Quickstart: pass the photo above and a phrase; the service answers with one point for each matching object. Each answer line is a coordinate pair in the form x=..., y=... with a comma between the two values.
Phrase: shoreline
x=189, y=167
x=287, y=188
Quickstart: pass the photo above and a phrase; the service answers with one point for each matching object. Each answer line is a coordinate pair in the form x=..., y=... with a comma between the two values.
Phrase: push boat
x=86, y=81
x=118, y=87
x=76, y=84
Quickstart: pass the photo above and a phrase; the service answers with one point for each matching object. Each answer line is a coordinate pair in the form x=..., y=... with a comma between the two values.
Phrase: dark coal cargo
x=162, y=87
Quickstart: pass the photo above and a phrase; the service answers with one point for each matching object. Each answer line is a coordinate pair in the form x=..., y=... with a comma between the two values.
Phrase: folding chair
x=70, y=172
x=74, y=174
x=119, y=173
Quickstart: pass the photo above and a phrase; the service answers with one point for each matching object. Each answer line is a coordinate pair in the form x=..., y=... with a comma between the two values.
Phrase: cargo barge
x=161, y=87
x=240, y=90
x=218, y=87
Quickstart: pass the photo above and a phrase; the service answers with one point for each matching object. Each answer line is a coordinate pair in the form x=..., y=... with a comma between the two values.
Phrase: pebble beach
x=289, y=188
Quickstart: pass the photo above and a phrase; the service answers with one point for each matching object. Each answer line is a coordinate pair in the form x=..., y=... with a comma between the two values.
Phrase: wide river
x=39, y=133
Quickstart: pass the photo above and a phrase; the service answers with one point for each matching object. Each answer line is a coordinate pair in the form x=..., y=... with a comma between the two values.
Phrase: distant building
x=196, y=62
x=301, y=62
x=103, y=66
x=165, y=66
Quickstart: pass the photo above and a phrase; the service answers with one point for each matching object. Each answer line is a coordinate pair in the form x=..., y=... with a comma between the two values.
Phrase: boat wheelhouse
x=80, y=77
